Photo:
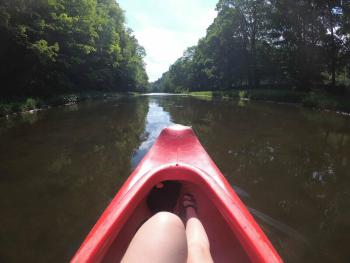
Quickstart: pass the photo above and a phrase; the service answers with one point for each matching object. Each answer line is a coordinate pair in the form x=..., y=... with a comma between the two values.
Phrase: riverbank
x=16, y=106
x=317, y=100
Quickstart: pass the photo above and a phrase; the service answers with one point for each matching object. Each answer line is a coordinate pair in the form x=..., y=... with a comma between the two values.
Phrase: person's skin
x=163, y=238
x=197, y=239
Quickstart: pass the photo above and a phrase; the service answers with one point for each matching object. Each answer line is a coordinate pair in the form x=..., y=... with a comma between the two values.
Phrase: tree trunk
x=333, y=51
x=253, y=63
x=253, y=48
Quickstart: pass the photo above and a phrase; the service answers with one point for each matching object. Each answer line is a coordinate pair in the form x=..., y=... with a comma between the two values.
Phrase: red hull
x=178, y=156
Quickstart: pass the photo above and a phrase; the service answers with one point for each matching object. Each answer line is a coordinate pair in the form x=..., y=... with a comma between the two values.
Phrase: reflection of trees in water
x=330, y=184
x=68, y=165
x=294, y=163
x=24, y=118
x=30, y=117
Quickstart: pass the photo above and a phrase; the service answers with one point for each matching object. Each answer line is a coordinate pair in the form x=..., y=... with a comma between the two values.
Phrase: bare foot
x=197, y=239
x=190, y=206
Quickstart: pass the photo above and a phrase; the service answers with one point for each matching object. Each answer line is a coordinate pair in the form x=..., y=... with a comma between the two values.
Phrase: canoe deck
x=224, y=245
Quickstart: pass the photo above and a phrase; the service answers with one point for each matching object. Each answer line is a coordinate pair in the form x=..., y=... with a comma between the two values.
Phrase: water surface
x=60, y=168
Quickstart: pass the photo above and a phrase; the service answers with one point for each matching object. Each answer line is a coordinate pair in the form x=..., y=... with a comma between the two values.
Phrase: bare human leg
x=197, y=239
x=160, y=239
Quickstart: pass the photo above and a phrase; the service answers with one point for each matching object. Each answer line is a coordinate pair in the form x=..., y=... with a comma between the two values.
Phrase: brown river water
x=60, y=168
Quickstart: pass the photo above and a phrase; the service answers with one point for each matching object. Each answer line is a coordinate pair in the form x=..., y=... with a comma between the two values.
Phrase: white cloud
x=163, y=47
x=166, y=28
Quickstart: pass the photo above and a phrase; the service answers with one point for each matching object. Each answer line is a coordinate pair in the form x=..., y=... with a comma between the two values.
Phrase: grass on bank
x=202, y=93
x=319, y=100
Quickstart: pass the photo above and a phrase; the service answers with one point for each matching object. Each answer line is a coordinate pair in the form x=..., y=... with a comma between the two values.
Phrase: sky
x=165, y=28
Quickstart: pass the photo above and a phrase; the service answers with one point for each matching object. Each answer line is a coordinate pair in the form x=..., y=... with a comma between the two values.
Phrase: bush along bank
x=15, y=106
x=316, y=100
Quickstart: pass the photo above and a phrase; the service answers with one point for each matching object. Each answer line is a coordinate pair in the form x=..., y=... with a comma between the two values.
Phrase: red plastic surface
x=177, y=155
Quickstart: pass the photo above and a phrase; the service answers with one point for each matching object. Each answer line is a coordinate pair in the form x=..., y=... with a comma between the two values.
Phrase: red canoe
x=177, y=159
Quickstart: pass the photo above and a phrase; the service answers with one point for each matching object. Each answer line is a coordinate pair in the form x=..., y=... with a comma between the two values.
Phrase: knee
x=161, y=239
x=166, y=219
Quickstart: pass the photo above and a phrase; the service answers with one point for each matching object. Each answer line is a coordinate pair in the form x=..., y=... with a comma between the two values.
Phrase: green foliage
x=45, y=52
x=286, y=96
x=8, y=108
x=202, y=93
x=29, y=104
x=320, y=101
x=261, y=44
x=21, y=106
x=52, y=47
x=243, y=94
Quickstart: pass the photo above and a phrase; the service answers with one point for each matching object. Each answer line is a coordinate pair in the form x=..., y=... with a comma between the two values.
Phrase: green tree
x=301, y=44
x=52, y=47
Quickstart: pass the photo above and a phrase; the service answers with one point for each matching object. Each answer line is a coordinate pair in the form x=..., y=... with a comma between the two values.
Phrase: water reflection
x=59, y=172
x=60, y=168
x=157, y=119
